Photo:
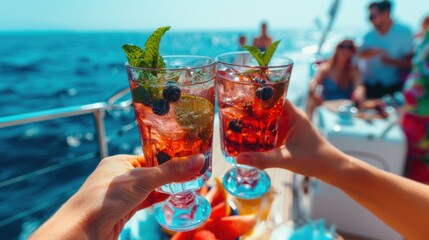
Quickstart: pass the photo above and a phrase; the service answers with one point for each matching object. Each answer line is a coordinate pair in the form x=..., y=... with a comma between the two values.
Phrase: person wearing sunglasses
x=337, y=78
x=386, y=52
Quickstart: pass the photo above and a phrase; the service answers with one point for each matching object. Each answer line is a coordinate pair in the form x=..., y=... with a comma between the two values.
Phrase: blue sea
x=42, y=164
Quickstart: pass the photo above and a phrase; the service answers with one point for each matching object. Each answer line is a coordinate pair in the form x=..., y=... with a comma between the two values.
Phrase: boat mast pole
x=332, y=14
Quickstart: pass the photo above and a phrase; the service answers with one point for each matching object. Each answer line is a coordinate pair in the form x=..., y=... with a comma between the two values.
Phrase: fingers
x=289, y=116
x=176, y=170
x=275, y=158
x=180, y=169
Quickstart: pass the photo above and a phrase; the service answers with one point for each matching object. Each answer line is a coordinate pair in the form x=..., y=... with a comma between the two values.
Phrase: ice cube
x=185, y=77
x=167, y=76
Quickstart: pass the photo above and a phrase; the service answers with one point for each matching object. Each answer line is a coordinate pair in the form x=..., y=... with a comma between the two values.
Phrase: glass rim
x=212, y=61
x=289, y=61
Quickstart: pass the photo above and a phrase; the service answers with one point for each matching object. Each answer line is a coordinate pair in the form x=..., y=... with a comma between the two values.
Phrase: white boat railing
x=97, y=109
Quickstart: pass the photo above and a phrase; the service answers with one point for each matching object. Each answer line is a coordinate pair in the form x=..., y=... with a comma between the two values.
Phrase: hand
x=384, y=57
x=301, y=148
x=119, y=187
x=358, y=94
x=373, y=52
x=317, y=95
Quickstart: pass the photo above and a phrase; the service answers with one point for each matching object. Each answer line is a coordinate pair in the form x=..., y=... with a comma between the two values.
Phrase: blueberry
x=162, y=157
x=264, y=93
x=171, y=93
x=235, y=125
x=160, y=107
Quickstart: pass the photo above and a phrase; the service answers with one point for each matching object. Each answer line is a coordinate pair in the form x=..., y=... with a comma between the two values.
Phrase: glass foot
x=246, y=182
x=183, y=211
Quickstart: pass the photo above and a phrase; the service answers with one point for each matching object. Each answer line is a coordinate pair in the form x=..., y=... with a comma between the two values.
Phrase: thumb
x=180, y=169
x=175, y=170
x=275, y=158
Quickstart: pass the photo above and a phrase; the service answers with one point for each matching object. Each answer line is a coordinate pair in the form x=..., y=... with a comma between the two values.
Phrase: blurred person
x=386, y=52
x=263, y=41
x=241, y=42
x=423, y=28
x=337, y=78
x=415, y=120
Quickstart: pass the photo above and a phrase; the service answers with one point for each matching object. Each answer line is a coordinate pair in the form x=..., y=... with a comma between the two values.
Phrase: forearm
x=368, y=53
x=399, y=202
x=400, y=63
x=69, y=222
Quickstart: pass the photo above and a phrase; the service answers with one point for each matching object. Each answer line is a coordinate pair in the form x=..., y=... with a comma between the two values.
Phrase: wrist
x=336, y=164
x=71, y=221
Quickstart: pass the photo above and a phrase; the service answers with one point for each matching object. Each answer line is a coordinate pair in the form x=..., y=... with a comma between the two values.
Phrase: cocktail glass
x=174, y=109
x=250, y=99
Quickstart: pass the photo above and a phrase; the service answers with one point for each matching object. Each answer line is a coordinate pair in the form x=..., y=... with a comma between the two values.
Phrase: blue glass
x=246, y=182
x=183, y=211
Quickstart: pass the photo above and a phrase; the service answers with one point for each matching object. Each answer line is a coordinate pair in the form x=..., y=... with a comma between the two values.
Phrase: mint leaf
x=134, y=54
x=263, y=59
x=270, y=52
x=152, y=58
x=146, y=92
x=257, y=54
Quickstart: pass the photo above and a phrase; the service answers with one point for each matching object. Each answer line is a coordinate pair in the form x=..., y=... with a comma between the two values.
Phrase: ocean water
x=48, y=161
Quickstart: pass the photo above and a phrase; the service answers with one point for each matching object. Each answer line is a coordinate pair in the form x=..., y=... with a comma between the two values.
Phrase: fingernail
x=195, y=162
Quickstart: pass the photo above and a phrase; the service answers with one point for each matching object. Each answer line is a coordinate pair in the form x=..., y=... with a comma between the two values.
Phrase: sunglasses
x=346, y=46
x=372, y=17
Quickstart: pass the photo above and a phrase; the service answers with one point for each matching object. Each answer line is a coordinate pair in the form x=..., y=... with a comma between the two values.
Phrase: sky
x=139, y=15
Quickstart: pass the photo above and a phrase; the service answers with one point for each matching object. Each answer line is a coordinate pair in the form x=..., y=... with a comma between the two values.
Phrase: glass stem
x=247, y=175
x=183, y=199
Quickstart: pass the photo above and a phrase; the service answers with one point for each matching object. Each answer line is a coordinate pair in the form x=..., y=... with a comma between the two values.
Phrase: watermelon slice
x=231, y=227
x=221, y=210
x=217, y=194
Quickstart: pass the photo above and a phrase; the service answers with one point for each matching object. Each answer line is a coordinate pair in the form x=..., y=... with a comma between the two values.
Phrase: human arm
x=359, y=91
x=316, y=89
x=317, y=82
x=401, y=203
x=370, y=53
x=404, y=63
x=119, y=187
x=368, y=48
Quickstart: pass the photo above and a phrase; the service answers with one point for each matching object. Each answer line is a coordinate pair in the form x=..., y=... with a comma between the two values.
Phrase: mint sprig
x=147, y=58
x=263, y=59
x=150, y=56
